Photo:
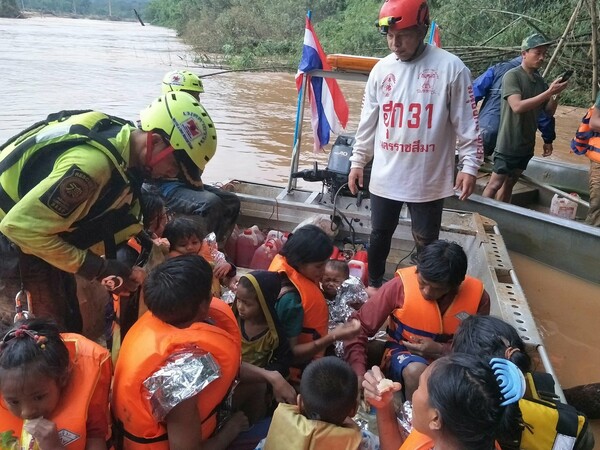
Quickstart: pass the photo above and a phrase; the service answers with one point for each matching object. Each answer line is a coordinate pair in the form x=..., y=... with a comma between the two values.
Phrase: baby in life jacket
x=53, y=389
x=186, y=238
x=321, y=419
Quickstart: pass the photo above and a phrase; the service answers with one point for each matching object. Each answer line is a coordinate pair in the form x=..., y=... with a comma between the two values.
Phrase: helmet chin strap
x=151, y=159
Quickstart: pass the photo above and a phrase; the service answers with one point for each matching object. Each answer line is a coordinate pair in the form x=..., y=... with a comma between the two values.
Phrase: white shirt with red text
x=415, y=114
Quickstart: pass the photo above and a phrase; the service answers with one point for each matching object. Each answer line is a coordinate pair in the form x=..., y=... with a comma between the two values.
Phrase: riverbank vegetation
x=113, y=9
x=250, y=33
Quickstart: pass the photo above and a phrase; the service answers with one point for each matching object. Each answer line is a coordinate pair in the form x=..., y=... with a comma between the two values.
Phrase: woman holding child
x=301, y=306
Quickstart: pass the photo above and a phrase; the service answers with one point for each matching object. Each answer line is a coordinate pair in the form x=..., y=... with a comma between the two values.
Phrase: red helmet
x=400, y=14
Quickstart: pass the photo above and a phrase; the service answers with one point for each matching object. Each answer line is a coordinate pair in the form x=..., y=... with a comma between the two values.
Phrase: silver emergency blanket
x=351, y=296
x=405, y=416
x=185, y=373
x=228, y=296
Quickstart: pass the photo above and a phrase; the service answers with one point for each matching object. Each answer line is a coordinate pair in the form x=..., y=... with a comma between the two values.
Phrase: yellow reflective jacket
x=64, y=187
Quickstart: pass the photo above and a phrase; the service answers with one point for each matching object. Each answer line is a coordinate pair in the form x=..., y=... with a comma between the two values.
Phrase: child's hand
x=282, y=390
x=162, y=243
x=377, y=395
x=237, y=423
x=135, y=279
x=345, y=331
x=44, y=432
x=221, y=269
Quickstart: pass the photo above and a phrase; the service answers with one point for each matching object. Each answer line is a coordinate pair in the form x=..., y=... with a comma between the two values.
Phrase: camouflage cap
x=533, y=41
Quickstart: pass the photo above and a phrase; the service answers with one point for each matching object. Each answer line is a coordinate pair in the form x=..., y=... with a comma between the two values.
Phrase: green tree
x=9, y=8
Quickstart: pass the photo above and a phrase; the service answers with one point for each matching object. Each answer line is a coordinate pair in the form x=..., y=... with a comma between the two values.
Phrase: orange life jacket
x=419, y=441
x=290, y=429
x=587, y=141
x=316, y=314
x=135, y=244
x=148, y=344
x=420, y=317
x=90, y=371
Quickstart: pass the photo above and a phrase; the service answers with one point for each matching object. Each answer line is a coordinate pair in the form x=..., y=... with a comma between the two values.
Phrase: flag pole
x=292, y=182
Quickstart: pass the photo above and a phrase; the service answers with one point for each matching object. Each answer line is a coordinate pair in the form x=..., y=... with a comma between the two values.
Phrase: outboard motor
x=338, y=168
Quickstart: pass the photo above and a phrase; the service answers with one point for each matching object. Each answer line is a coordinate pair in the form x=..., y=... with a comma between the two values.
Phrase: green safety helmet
x=184, y=123
x=182, y=80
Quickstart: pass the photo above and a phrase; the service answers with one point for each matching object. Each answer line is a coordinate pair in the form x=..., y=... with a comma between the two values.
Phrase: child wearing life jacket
x=177, y=364
x=155, y=219
x=53, y=389
x=186, y=238
x=321, y=419
x=301, y=306
x=266, y=353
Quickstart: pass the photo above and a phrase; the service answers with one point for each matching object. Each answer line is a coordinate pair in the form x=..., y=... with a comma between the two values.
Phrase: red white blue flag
x=435, y=36
x=327, y=103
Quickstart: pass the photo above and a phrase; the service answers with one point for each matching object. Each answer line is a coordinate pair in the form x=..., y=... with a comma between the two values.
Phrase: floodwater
x=51, y=64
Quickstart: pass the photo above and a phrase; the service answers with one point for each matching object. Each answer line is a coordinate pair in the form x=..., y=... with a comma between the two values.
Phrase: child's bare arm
x=184, y=418
x=181, y=420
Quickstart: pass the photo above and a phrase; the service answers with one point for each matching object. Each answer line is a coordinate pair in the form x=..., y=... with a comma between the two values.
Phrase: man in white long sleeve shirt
x=418, y=105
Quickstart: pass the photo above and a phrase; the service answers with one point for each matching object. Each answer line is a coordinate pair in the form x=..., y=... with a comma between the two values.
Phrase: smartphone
x=565, y=76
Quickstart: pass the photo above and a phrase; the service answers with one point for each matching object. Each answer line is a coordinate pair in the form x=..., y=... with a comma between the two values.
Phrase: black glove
x=111, y=273
x=113, y=267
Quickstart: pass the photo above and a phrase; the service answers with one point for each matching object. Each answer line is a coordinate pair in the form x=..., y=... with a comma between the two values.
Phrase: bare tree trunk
x=563, y=37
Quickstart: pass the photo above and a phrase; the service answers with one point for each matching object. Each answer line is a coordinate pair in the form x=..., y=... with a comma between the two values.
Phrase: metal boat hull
x=275, y=208
x=568, y=245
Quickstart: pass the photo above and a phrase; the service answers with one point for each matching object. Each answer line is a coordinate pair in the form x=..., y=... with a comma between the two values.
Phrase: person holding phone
x=524, y=95
x=487, y=88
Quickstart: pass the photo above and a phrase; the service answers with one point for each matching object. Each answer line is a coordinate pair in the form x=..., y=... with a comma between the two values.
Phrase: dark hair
x=36, y=347
x=443, y=262
x=466, y=393
x=246, y=284
x=152, y=205
x=339, y=266
x=308, y=244
x=174, y=290
x=182, y=228
x=329, y=389
x=489, y=337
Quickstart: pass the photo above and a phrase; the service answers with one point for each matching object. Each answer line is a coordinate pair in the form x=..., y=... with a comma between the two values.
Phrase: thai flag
x=327, y=103
x=435, y=36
